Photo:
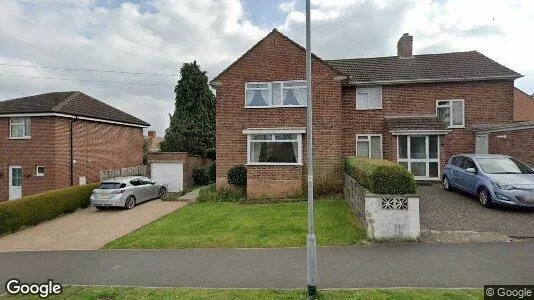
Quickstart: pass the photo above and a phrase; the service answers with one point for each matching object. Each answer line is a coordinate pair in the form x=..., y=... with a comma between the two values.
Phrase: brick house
x=55, y=140
x=413, y=109
x=523, y=106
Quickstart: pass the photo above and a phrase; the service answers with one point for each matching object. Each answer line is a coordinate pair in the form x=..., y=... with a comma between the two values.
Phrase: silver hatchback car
x=126, y=192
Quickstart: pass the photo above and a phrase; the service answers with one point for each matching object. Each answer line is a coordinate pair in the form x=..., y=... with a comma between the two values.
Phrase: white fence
x=131, y=171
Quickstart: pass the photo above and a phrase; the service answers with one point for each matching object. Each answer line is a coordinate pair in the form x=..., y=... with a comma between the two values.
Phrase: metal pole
x=311, y=243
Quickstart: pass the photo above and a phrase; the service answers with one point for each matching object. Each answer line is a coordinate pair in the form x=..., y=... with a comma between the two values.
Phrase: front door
x=15, y=182
x=481, y=144
x=420, y=155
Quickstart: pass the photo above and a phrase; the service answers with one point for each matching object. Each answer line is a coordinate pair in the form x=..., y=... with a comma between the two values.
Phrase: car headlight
x=502, y=186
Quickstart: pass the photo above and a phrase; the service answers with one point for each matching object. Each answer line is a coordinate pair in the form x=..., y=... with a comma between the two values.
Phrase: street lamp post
x=311, y=242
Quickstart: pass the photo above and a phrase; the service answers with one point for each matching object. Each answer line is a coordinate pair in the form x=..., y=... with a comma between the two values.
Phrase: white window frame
x=369, y=140
x=426, y=160
x=272, y=133
x=24, y=136
x=449, y=105
x=368, y=89
x=270, y=88
x=37, y=173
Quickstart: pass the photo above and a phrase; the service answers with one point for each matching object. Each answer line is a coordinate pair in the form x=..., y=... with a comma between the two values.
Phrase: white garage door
x=171, y=174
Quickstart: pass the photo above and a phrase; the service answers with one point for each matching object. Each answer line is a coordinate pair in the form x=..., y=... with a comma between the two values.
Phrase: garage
x=169, y=173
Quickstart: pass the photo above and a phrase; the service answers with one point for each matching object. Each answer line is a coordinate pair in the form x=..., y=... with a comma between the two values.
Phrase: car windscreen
x=111, y=185
x=503, y=165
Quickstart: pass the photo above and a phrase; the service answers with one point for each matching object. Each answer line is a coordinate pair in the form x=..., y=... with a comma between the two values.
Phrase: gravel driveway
x=87, y=229
x=455, y=211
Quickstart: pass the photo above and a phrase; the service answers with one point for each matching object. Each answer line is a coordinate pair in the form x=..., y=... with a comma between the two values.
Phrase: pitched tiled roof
x=414, y=123
x=458, y=66
x=71, y=103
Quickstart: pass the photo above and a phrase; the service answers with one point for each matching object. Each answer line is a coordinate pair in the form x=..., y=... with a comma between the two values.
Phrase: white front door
x=420, y=155
x=481, y=144
x=15, y=182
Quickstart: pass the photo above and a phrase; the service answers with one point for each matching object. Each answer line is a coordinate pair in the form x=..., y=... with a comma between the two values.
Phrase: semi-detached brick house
x=55, y=140
x=413, y=109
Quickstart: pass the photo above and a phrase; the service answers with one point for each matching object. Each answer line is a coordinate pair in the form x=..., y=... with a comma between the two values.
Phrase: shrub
x=200, y=176
x=211, y=194
x=34, y=209
x=380, y=176
x=211, y=172
x=237, y=175
x=210, y=153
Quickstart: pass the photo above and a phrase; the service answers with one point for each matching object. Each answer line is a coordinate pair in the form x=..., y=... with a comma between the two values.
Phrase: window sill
x=273, y=164
x=39, y=175
x=278, y=106
x=20, y=138
x=374, y=108
x=456, y=127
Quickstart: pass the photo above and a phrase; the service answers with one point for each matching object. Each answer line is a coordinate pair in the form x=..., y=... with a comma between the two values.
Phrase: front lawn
x=112, y=293
x=234, y=225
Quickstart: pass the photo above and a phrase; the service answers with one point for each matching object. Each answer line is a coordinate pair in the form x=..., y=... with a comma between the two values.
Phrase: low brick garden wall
x=384, y=217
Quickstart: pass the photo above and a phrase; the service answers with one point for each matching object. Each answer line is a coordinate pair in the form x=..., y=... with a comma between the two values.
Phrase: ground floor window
x=419, y=154
x=275, y=149
x=369, y=145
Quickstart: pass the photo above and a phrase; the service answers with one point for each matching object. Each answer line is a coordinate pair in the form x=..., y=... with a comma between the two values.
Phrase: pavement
x=456, y=211
x=383, y=265
x=88, y=228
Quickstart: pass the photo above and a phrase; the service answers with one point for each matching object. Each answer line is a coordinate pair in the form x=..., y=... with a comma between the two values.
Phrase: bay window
x=451, y=112
x=20, y=128
x=274, y=149
x=276, y=94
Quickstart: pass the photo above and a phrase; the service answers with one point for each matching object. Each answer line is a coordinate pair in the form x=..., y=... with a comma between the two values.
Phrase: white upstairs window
x=20, y=128
x=369, y=98
x=276, y=94
x=451, y=112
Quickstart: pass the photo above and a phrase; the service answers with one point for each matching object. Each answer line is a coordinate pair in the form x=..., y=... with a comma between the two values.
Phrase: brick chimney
x=405, y=46
x=151, y=134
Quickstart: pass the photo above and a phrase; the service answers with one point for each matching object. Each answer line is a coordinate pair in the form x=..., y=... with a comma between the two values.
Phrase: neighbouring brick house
x=523, y=106
x=413, y=109
x=55, y=140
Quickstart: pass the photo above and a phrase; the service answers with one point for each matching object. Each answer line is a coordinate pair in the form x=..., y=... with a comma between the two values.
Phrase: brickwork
x=97, y=146
x=523, y=106
x=336, y=120
x=190, y=162
x=513, y=143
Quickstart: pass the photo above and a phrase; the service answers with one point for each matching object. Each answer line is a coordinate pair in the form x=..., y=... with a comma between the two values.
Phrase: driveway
x=455, y=211
x=87, y=229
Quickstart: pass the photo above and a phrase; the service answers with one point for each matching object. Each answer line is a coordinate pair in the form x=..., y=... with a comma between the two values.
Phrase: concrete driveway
x=455, y=211
x=87, y=229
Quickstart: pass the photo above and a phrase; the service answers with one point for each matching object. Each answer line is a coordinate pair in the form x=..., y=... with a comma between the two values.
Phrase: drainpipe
x=72, y=152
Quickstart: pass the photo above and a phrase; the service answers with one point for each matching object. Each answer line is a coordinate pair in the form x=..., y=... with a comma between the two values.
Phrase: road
x=405, y=265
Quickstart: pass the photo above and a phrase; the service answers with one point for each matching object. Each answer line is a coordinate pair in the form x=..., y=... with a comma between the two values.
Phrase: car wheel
x=130, y=202
x=484, y=197
x=446, y=184
x=162, y=193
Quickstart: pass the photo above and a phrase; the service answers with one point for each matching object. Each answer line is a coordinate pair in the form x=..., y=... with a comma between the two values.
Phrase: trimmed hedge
x=34, y=209
x=380, y=176
x=237, y=175
x=211, y=194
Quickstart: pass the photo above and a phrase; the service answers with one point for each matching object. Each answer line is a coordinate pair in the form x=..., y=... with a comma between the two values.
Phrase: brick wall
x=511, y=143
x=97, y=147
x=523, y=106
x=276, y=59
x=489, y=102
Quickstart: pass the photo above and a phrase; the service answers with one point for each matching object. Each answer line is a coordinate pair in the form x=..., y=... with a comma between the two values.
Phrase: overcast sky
x=158, y=36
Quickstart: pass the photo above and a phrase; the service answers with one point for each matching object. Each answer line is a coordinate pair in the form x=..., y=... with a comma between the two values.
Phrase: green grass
x=112, y=293
x=233, y=225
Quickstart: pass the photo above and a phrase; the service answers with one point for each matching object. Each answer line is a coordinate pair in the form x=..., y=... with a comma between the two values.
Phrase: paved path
x=455, y=211
x=88, y=228
x=408, y=265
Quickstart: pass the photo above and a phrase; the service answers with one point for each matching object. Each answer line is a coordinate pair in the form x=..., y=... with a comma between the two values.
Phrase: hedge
x=237, y=175
x=200, y=176
x=34, y=209
x=380, y=176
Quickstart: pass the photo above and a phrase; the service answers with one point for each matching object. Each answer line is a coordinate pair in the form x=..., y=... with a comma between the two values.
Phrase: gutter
x=391, y=82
